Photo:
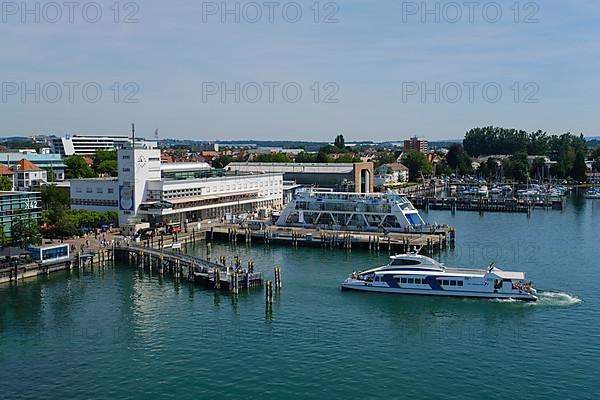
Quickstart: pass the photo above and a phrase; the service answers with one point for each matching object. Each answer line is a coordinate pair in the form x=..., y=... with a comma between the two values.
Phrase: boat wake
x=557, y=299
x=546, y=299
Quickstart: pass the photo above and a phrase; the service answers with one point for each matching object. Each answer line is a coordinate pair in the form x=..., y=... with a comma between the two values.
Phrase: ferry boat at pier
x=419, y=275
x=388, y=212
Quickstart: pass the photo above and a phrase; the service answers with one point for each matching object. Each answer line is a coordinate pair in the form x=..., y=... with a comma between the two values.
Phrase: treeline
x=74, y=222
x=495, y=140
x=567, y=151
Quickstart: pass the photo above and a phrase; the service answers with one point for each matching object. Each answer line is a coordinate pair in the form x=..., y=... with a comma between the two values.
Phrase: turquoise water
x=121, y=334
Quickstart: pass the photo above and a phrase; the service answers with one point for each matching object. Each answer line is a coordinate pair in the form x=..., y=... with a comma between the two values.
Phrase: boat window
x=403, y=280
x=452, y=283
x=498, y=284
x=439, y=282
x=446, y=283
x=460, y=283
x=411, y=280
x=402, y=261
x=418, y=281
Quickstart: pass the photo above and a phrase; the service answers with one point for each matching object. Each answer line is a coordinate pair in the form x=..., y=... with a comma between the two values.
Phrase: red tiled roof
x=4, y=170
x=397, y=167
x=26, y=165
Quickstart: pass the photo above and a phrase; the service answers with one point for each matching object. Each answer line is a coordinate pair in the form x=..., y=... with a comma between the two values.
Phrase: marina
x=486, y=204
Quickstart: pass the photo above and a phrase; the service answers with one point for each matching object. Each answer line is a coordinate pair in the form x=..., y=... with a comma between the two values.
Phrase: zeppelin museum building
x=147, y=190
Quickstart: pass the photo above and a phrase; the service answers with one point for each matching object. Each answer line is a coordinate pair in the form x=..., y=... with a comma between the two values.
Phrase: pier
x=214, y=275
x=429, y=239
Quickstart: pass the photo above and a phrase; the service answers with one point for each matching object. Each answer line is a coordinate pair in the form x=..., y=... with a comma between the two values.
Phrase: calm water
x=120, y=334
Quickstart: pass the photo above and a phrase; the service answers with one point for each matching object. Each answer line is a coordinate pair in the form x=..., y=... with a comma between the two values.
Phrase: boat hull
x=439, y=293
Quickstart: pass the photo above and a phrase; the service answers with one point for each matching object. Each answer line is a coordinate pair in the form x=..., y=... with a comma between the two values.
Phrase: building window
x=111, y=190
x=99, y=190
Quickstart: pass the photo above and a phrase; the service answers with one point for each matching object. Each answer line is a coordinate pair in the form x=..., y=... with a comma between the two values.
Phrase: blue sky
x=370, y=58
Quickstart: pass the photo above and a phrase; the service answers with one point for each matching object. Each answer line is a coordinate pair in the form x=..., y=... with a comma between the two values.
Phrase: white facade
x=95, y=194
x=142, y=194
x=81, y=145
x=197, y=199
x=23, y=180
x=139, y=164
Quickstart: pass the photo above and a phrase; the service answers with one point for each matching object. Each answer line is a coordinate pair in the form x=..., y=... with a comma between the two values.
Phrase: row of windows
x=98, y=190
x=182, y=193
x=95, y=202
x=420, y=281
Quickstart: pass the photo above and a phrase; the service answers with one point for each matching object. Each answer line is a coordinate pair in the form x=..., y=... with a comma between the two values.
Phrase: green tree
x=304, y=157
x=596, y=158
x=272, y=158
x=345, y=158
x=515, y=167
x=417, y=164
x=385, y=157
x=77, y=168
x=25, y=232
x=55, y=198
x=579, y=168
x=539, y=143
x=105, y=163
x=221, y=161
x=322, y=157
x=50, y=174
x=537, y=168
x=339, y=142
x=458, y=159
x=6, y=185
x=110, y=217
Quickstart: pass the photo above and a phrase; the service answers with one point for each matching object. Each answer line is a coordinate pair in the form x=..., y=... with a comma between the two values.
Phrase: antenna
x=156, y=136
x=133, y=134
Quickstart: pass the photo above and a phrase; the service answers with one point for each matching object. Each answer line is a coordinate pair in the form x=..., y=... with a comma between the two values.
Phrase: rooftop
x=315, y=168
x=4, y=170
x=184, y=166
x=26, y=165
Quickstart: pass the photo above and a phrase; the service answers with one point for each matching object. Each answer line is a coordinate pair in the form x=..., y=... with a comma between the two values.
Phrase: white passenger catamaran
x=419, y=275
